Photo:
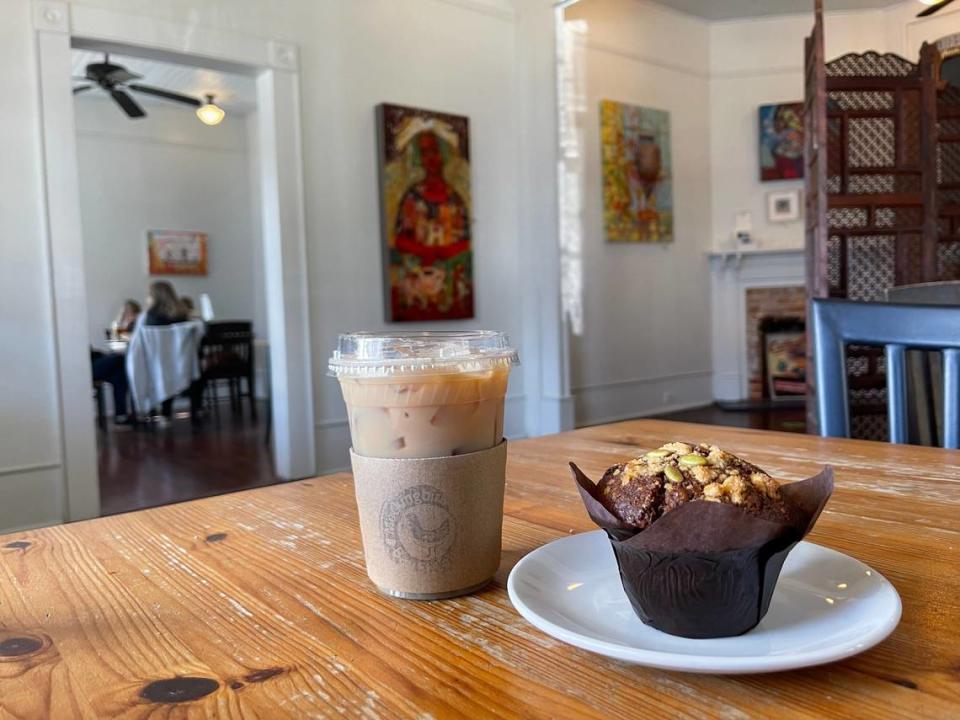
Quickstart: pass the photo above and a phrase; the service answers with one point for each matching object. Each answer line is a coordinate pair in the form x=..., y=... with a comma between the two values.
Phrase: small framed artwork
x=781, y=141
x=783, y=206
x=177, y=252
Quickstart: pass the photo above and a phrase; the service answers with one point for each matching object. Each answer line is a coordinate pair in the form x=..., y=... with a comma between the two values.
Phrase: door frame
x=58, y=26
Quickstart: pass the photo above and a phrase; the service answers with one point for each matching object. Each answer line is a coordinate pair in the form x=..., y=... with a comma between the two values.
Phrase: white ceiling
x=730, y=9
x=235, y=93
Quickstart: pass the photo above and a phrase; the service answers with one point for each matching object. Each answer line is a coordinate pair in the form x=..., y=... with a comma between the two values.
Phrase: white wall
x=31, y=477
x=756, y=62
x=167, y=171
x=454, y=55
x=446, y=56
x=646, y=322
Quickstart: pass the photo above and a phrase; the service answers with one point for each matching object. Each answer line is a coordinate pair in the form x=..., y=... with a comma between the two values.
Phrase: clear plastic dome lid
x=378, y=354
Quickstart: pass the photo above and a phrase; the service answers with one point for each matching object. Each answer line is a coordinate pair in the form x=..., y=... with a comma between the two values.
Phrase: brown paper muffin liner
x=706, y=569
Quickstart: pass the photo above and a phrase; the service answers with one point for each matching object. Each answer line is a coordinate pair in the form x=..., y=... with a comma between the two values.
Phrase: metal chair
x=924, y=372
x=946, y=292
x=837, y=323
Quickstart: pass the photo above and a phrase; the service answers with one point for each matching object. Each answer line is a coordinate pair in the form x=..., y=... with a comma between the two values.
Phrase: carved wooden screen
x=875, y=203
x=815, y=178
x=946, y=100
x=886, y=209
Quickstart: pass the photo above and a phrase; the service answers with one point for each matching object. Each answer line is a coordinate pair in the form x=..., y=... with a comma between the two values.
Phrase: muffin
x=700, y=535
x=641, y=490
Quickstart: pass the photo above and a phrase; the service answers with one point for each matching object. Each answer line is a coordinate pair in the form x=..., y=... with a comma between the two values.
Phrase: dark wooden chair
x=839, y=323
x=226, y=355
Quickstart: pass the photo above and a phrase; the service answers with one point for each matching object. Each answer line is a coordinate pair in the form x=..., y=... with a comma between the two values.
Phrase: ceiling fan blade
x=81, y=88
x=165, y=94
x=127, y=103
x=934, y=8
x=121, y=75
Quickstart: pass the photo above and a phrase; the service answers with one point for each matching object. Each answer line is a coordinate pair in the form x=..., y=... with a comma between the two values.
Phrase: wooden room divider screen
x=883, y=190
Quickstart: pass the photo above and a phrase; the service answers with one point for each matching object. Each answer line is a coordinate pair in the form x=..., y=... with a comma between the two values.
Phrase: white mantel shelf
x=733, y=272
x=751, y=250
x=727, y=254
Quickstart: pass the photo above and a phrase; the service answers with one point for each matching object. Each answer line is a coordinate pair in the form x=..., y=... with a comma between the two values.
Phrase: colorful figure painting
x=637, y=190
x=427, y=207
x=781, y=141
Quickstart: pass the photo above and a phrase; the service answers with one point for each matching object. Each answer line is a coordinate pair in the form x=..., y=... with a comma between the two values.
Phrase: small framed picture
x=783, y=206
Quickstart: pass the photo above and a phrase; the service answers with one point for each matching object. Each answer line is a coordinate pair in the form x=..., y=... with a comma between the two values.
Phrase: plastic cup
x=423, y=394
x=428, y=457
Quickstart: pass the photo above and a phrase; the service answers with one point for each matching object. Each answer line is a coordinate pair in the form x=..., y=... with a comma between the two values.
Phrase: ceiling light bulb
x=210, y=114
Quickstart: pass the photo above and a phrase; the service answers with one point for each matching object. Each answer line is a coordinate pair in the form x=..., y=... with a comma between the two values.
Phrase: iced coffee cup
x=426, y=423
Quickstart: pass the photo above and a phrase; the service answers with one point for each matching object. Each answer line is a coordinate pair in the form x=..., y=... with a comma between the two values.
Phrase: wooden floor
x=145, y=468
x=782, y=419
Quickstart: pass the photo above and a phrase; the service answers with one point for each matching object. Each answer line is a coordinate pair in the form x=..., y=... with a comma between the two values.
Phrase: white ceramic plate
x=827, y=606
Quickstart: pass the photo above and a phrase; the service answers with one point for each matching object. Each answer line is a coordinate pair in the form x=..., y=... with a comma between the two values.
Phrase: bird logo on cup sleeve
x=417, y=528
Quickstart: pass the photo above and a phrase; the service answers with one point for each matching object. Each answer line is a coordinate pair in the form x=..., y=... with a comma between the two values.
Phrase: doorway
x=272, y=68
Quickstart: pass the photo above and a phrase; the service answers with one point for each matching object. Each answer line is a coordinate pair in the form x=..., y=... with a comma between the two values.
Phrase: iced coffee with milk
x=426, y=423
x=423, y=394
x=426, y=414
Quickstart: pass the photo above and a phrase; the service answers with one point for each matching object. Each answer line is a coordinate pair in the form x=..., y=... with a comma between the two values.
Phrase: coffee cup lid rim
x=395, y=352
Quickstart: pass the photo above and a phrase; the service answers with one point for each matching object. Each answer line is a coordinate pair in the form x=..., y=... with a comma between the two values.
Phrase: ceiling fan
x=116, y=80
x=935, y=6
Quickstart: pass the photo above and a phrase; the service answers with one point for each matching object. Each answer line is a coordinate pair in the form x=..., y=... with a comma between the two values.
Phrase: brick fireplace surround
x=768, y=302
x=746, y=286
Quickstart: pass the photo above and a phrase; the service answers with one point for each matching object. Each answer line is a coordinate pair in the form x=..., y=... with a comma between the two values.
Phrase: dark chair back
x=932, y=293
x=924, y=371
x=226, y=350
x=837, y=323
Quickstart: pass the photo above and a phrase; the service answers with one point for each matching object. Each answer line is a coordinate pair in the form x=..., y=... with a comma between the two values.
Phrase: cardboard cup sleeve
x=706, y=569
x=431, y=527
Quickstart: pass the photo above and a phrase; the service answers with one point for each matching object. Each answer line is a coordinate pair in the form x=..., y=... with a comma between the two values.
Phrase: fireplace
x=775, y=342
x=748, y=288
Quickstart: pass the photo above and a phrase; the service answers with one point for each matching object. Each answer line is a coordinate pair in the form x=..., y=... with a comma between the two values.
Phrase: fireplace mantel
x=732, y=273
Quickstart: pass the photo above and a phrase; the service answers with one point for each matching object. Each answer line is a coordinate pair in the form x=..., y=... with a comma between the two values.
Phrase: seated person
x=126, y=320
x=165, y=308
x=112, y=368
x=192, y=312
x=163, y=305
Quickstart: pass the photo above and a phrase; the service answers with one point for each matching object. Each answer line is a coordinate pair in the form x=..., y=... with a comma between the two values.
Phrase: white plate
x=827, y=606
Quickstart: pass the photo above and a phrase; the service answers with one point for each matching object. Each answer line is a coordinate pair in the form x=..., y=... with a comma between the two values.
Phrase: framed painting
x=637, y=187
x=781, y=141
x=177, y=252
x=426, y=208
x=783, y=206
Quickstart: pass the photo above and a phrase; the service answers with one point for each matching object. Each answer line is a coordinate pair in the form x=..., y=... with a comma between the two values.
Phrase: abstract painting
x=426, y=208
x=637, y=172
x=177, y=252
x=781, y=141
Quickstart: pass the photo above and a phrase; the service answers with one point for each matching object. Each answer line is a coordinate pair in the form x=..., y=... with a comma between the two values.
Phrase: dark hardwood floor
x=783, y=419
x=145, y=468
x=141, y=468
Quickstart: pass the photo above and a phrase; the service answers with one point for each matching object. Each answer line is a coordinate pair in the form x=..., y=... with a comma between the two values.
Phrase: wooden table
x=262, y=598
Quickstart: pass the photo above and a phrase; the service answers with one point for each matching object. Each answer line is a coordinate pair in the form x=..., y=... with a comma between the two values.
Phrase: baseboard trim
x=29, y=468
x=647, y=413
x=642, y=381
x=625, y=399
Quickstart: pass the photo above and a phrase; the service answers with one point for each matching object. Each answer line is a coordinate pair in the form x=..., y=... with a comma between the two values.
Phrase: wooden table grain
x=261, y=598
